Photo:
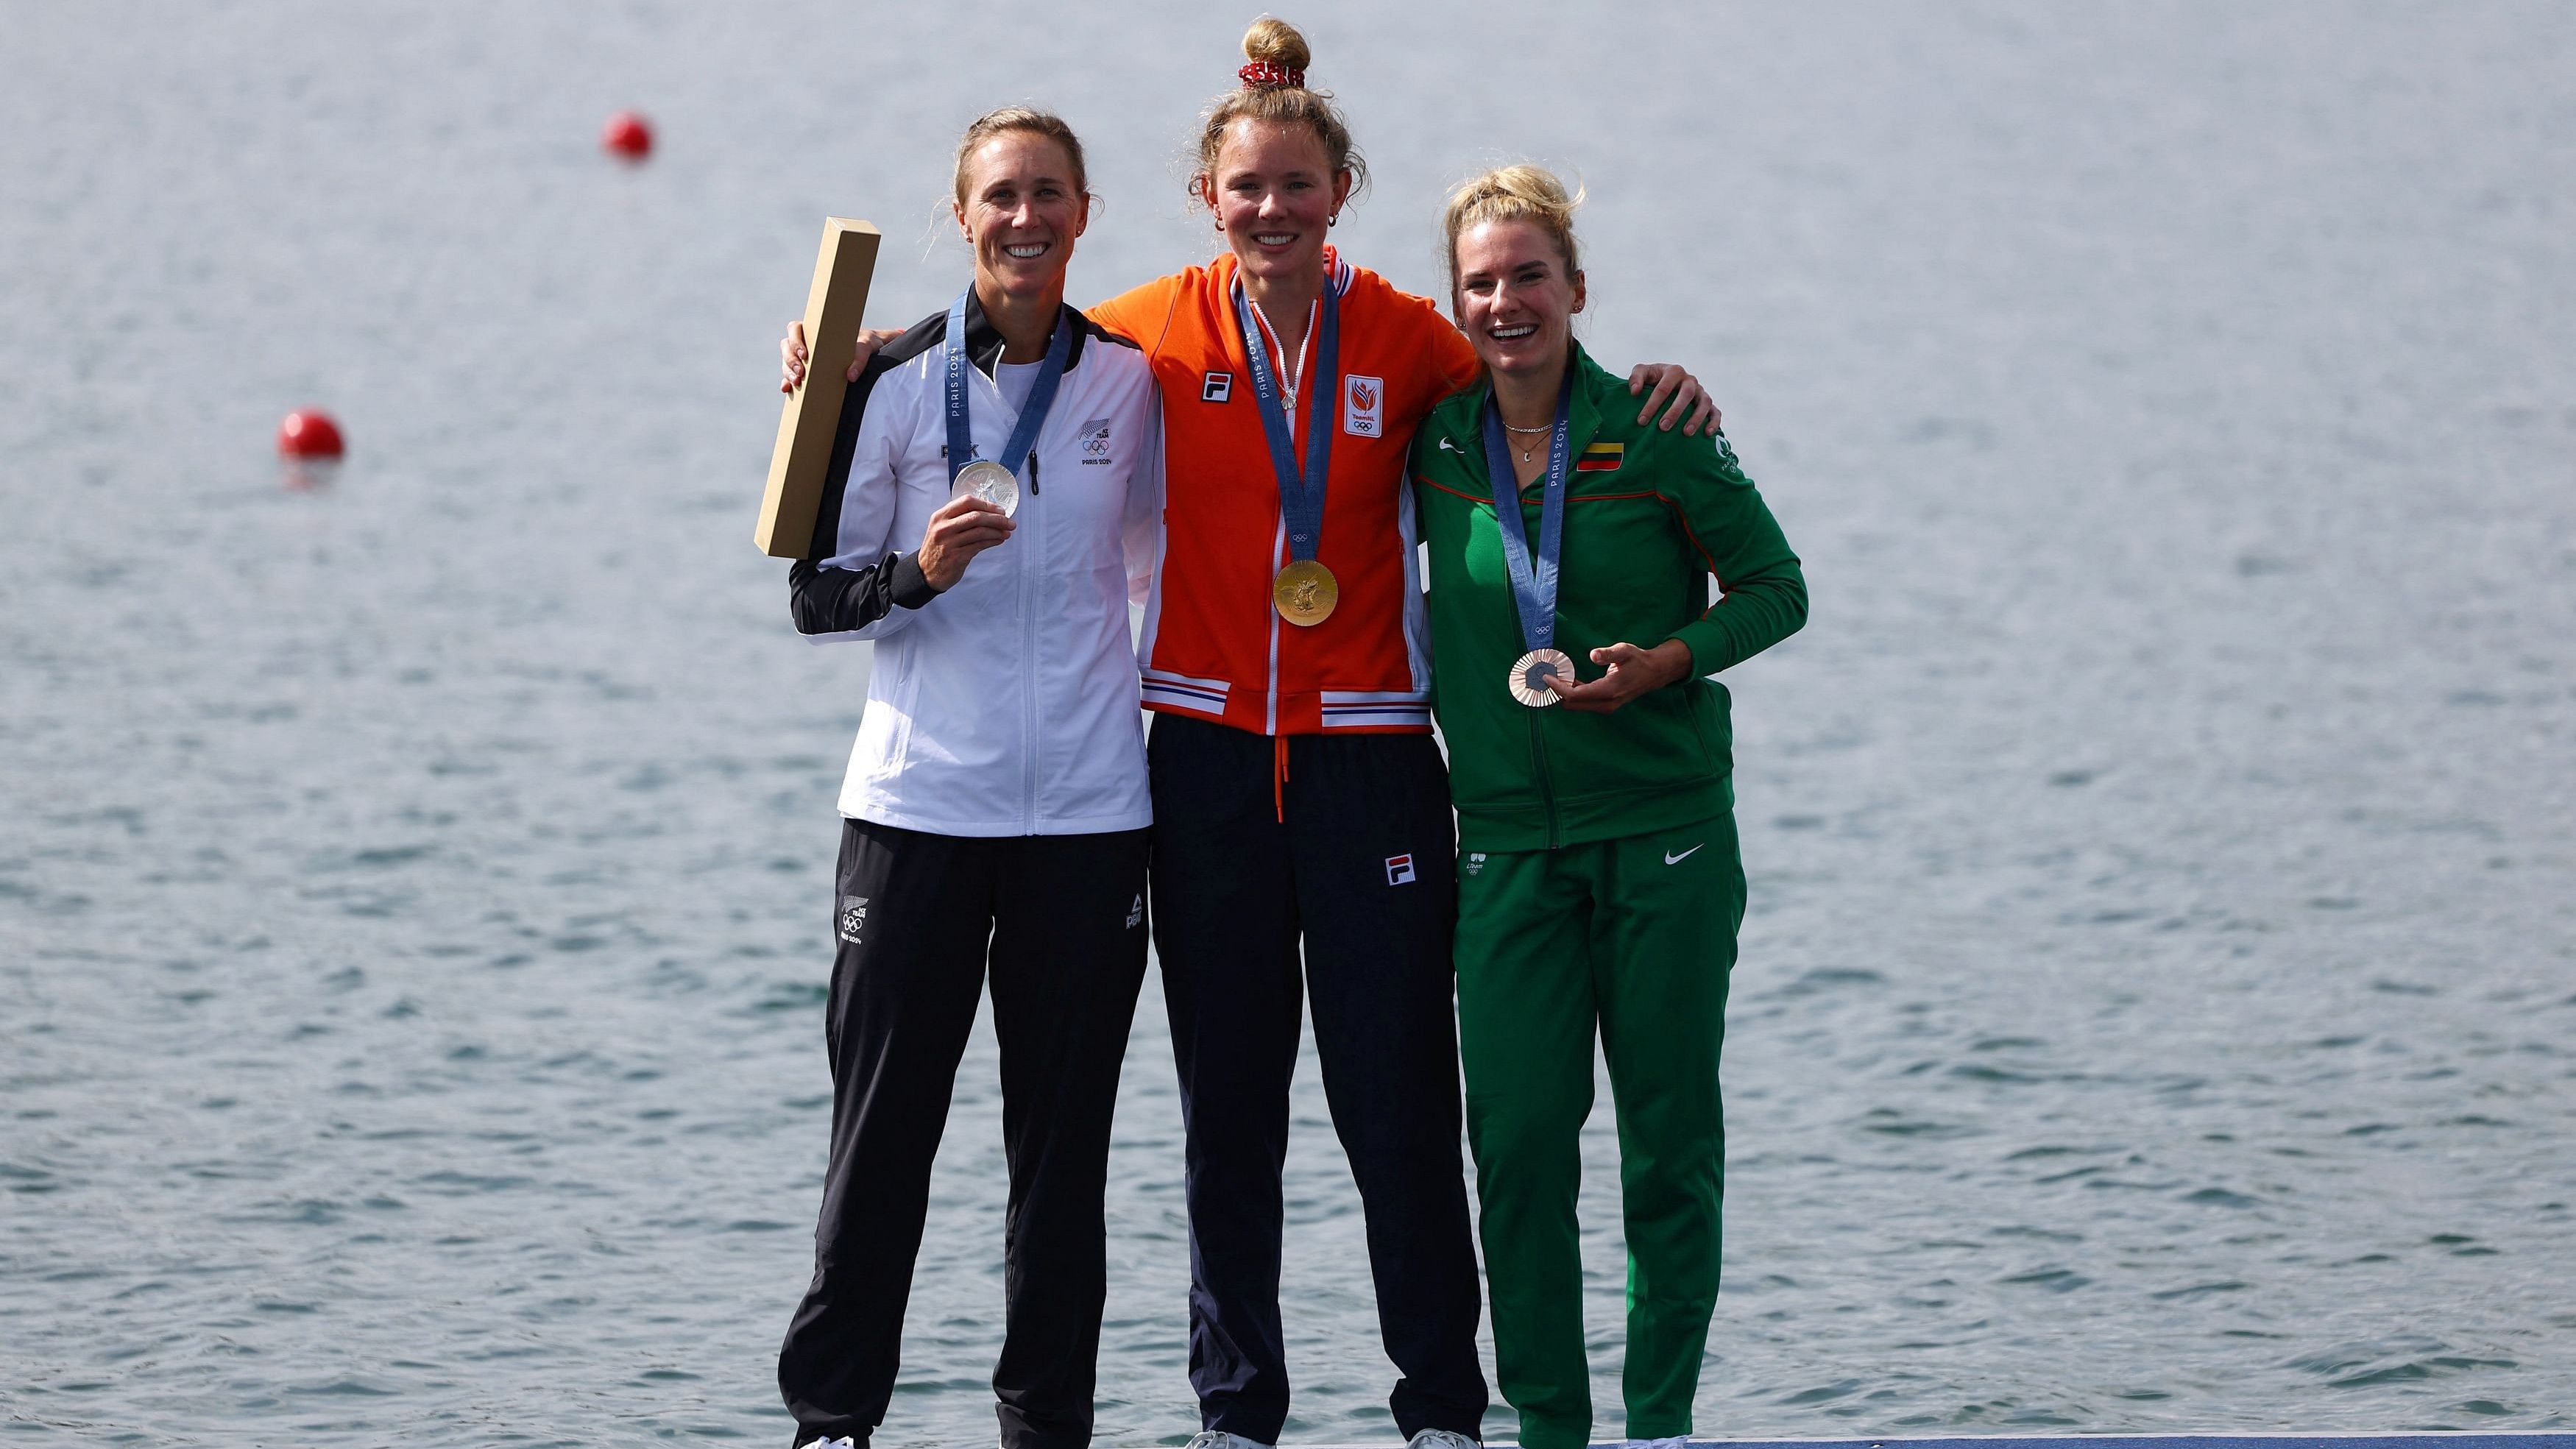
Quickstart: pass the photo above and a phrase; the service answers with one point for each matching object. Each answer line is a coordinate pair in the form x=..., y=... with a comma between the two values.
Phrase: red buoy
x=626, y=136
x=308, y=433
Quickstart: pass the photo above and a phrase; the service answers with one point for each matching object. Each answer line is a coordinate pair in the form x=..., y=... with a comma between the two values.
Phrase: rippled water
x=2158, y=1009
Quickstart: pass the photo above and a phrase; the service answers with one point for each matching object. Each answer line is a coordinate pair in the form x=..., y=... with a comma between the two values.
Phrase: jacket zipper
x=1538, y=737
x=1029, y=664
x=1538, y=757
x=1028, y=626
x=1270, y=698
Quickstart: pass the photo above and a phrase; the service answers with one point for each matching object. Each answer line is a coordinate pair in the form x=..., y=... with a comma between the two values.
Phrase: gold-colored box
x=813, y=413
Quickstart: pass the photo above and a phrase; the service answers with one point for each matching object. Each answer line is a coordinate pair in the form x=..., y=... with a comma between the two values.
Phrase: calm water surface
x=2158, y=1009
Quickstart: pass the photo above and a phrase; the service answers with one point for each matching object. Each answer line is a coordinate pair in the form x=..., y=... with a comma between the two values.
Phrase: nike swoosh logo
x=1452, y=447
x=1685, y=855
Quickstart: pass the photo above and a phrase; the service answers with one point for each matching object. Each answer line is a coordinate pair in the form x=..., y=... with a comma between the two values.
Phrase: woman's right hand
x=792, y=355
x=963, y=527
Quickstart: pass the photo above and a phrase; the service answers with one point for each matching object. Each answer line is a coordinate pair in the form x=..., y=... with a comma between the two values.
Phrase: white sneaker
x=1216, y=1439
x=1441, y=1439
x=844, y=1442
x=1678, y=1441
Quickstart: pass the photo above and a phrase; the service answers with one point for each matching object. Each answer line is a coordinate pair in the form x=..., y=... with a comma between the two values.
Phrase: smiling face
x=1516, y=300
x=1022, y=209
x=1275, y=193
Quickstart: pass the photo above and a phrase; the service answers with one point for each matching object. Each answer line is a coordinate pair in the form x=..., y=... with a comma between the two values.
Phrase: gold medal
x=993, y=483
x=1531, y=672
x=1305, y=593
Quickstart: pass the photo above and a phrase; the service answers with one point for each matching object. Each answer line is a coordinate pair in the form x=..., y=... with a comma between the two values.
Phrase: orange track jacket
x=1213, y=647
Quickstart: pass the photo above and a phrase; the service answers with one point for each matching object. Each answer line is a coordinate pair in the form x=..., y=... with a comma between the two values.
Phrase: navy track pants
x=1352, y=853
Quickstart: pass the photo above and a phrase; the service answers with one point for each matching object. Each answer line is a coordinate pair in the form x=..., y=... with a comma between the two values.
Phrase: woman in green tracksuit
x=1598, y=881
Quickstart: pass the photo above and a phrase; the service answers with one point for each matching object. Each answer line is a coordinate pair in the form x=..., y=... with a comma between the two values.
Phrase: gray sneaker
x=1441, y=1439
x=1214, y=1439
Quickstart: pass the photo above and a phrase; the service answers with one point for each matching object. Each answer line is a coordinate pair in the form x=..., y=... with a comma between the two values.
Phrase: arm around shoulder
x=1139, y=313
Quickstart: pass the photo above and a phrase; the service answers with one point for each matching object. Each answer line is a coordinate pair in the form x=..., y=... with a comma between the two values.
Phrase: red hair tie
x=1263, y=73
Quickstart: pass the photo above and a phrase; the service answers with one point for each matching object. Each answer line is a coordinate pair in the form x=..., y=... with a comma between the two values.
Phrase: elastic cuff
x=912, y=587
x=1535, y=1435
x=1709, y=651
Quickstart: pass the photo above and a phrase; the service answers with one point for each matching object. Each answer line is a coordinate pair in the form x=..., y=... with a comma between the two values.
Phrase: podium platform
x=2511, y=1439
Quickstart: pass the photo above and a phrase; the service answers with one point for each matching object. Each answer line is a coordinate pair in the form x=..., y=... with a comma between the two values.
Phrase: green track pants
x=1634, y=937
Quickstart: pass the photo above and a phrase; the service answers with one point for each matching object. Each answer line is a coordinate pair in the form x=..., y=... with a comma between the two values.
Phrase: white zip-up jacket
x=1007, y=704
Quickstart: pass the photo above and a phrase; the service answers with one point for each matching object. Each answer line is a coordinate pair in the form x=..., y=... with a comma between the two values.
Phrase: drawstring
x=1279, y=776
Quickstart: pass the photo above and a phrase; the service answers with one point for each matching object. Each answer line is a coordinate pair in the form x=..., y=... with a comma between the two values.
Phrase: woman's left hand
x=1688, y=397
x=1633, y=671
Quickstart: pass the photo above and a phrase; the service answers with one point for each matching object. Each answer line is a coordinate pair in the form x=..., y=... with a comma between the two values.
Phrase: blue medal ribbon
x=1301, y=497
x=1533, y=580
x=961, y=440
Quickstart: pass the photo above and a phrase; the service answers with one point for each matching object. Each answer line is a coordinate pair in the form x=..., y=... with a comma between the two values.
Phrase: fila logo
x=1217, y=388
x=1364, y=406
x=1136, y=914
x=854, y=916
x=1399, y=870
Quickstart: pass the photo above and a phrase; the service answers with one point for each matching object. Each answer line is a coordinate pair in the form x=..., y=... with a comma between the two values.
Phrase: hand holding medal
x=1633, y=672
x=1545, y=675
x=963, y=527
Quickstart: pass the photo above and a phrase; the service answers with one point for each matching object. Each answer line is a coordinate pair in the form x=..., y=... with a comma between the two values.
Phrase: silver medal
x=991, y=482
x=1530, y=674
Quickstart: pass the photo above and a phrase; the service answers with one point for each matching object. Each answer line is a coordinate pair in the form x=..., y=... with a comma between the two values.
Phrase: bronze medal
x=1531, y=672
x=1305, y=593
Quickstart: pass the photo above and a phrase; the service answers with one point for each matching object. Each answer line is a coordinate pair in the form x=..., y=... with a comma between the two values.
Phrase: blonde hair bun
x=1274, y=89
x=1277, y=42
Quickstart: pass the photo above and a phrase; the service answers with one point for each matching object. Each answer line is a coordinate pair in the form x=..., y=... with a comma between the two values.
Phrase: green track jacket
x=1649, y=515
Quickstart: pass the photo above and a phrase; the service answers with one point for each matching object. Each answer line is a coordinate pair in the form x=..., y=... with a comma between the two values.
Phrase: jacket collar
x=1227, y=271
x=984, y=340
x=1583, y=412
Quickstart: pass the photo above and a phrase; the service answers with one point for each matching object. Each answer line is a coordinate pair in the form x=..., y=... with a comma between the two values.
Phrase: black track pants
x=1361, y=869
x=1060, y=919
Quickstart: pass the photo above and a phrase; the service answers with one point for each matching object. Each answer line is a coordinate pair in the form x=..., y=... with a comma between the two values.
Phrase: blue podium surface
x=2515, y=1439
x=2519, y=1439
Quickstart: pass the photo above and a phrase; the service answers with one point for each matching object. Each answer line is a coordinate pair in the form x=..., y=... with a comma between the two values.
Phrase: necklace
x=1529, y=450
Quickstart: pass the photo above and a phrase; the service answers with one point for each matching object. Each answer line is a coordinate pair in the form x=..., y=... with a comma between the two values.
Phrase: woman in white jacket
x=995, y=808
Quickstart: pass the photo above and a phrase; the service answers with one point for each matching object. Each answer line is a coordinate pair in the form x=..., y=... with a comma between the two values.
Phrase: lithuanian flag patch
x=1600, y=458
